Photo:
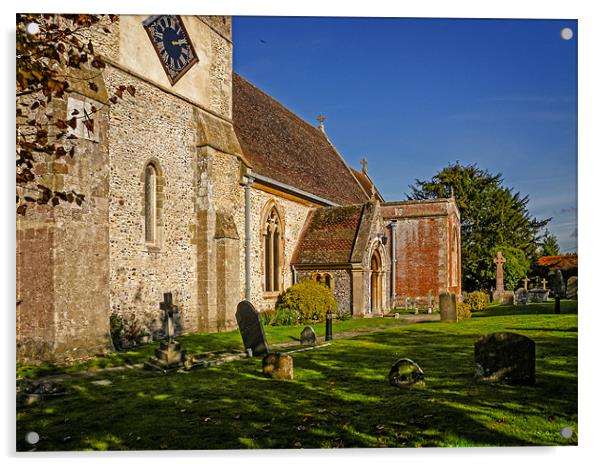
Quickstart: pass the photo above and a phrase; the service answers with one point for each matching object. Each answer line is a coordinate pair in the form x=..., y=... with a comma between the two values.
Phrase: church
x=205, y=186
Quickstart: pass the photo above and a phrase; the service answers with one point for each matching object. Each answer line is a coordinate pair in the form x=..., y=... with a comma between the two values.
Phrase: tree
x=52, y=50
x=493, y=217
x=548, y=245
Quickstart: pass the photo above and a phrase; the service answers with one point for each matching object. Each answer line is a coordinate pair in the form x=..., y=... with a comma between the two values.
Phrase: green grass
x=338, y=398
x=199, y=343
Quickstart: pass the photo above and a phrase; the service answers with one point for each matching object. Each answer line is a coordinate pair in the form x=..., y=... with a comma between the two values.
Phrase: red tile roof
x=559, y=262
x=329, y=235
x=282, y=146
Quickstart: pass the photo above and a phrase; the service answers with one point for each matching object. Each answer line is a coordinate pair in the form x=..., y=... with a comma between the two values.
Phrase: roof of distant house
x=285, y=148
x=559, y=262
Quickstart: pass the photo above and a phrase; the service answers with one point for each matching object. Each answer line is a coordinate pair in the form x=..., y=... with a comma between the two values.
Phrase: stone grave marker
x=251, y=330
x=505, y=357
x=538, y=295
x=520, y=296
x=278, y=365
x=571, y=288
x=447, y=307
x=169, y=355
x=308, y=336
x=405, y=373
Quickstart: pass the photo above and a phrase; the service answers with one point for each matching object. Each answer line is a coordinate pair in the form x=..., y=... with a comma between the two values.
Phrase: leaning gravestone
x=520, y=296
x=405, y=372
x=308, y=336
x=571, y=288
x=505, y=357
x=251, y=330
x=447, y=307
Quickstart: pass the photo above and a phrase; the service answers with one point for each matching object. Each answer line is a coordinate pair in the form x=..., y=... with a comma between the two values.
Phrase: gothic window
x=272, y=245
x=150, y=204
x=325, y=278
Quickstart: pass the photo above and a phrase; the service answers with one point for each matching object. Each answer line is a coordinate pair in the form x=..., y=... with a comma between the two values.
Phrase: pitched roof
x=329, y=235
x=559, y=262
x=367, y=183
x=282, y=146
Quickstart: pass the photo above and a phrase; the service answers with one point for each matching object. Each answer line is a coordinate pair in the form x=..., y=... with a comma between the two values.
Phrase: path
x=407, y=319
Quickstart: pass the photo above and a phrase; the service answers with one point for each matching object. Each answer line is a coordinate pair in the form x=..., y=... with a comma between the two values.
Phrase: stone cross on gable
x=364, y=165
x=169, y=308
x=321, y=118
x=499, y=261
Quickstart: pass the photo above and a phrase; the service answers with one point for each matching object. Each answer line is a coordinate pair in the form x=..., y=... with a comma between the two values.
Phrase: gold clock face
x=172, y=44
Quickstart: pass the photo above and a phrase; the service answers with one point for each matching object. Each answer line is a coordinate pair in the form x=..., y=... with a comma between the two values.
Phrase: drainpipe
x=294, y=270
x=248, y=238
x=393, y=264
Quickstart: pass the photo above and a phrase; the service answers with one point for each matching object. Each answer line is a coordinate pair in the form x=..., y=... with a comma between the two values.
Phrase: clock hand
x=178, y=42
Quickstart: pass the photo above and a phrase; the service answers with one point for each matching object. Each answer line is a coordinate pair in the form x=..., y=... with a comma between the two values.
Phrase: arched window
x=150, y=204
x=272, y=244
x=325, y=278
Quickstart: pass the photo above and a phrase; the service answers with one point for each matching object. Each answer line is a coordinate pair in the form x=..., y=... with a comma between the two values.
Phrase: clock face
x=172, y=44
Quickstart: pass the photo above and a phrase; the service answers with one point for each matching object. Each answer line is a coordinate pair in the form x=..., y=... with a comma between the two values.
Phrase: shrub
x=477, y=300
x=126, y=333
x=305, y=302
x=463, y=311
x=267, y=317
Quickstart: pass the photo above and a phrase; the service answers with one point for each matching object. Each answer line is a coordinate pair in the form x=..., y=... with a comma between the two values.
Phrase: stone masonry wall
x=293, y=215
x=63, y=257
x=342, y=286
x=161, y=130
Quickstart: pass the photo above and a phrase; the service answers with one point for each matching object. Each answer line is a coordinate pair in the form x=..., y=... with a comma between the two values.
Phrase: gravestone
x=308, y=336
x=505, y=357
x=538, y=295
x=251, y=330
x=169, y=355
x=520, y=296
x=506, y=297
x=571, y=288
x=404, y=373
x=447, y=307
x=278, y=365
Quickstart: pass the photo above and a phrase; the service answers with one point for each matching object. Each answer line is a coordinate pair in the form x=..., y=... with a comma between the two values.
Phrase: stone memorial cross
x=169, y=308
x=544, y=282
x=525, y=281
x=499, y=261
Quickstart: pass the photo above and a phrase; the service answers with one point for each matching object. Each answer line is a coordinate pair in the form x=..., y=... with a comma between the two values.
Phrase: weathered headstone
x=251, y=330
x=278, y=365
x=506, y=297
x=538, y=295
x=447, y=307
x=571, y=288
x=405, y=372
x=505, y=357
x=520, y=296
x=308, y=336
x=169, y=309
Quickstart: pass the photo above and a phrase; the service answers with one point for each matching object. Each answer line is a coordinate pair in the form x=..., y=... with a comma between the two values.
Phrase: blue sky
x=412, y=95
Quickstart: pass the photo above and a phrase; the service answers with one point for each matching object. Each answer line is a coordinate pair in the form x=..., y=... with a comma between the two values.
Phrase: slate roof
x=329, y=235
x=282, y=146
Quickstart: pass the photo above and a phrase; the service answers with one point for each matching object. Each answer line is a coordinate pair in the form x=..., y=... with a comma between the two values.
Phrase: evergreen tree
x=493, y=218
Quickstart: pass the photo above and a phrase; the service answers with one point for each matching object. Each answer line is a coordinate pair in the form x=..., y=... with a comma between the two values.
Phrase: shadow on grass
x=339, y=398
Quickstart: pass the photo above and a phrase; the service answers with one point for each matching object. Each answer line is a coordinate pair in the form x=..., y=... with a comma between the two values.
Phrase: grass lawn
x=339, y=397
